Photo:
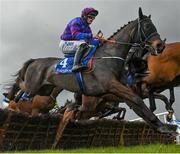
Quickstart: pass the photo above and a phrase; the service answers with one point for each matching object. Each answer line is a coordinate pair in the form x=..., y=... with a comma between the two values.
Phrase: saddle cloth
x=65, y=65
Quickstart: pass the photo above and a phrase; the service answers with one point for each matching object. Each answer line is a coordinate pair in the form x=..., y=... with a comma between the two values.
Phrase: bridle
x=143, y=38
x=141, y=34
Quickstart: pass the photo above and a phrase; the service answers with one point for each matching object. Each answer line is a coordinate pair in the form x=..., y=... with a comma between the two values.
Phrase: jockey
x=77, y=37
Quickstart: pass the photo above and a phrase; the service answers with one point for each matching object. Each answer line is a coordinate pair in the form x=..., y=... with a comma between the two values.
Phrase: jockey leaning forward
x=77, y=37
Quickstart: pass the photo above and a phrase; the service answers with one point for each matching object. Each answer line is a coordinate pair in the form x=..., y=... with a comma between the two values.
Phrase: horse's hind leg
x=78, y=98
x=55, y=92
x=18, y=96
x=137, y=104
x=14, y=89
x=9, y=96
x=121, y=114
x=34, y=79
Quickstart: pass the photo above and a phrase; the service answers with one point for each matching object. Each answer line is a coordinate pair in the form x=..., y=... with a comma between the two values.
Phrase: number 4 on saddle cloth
x=64, y=66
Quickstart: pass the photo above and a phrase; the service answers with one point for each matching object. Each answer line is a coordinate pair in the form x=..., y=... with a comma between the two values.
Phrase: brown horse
x=39, y=104
x=165, y=67
x=164, y=73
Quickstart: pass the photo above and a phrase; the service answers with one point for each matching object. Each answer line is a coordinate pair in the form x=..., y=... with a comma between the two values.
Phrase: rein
x=122, y=43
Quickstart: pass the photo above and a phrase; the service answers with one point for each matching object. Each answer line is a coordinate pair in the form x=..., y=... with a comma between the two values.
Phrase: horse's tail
x=21, y=73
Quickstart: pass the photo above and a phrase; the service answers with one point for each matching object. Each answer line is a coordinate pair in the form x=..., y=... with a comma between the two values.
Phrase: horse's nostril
x=160, y=47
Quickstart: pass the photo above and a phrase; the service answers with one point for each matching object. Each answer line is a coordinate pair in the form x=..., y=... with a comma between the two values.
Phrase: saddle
x=64, y=66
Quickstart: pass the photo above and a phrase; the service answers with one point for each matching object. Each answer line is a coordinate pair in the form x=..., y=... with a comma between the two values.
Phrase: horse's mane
x=118, y=30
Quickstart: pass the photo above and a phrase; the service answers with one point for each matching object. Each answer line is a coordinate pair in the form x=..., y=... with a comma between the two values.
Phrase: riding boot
x=77, y=66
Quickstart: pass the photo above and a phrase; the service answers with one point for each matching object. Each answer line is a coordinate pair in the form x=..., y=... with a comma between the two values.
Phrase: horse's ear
x=149, y=16
x=164, y=41
x=5, y=94
x=140, y=13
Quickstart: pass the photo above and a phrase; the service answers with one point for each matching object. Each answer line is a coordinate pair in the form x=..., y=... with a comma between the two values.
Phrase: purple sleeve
x=77, y=34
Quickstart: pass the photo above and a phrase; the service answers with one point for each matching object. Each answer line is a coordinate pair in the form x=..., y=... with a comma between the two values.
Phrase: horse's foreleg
x=165, y=100
x=137, y=104
x=152, y=101
x=171, y=100
x=139, y=90
x=112, y=110
x=172, y=97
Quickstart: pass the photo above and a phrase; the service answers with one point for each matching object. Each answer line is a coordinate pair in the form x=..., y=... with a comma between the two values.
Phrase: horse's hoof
x=94, y=118
x=10, y=109
x=117, y=118
x=169, y=118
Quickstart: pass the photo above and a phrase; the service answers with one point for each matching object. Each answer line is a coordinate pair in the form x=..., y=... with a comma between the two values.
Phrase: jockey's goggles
x=91, y=17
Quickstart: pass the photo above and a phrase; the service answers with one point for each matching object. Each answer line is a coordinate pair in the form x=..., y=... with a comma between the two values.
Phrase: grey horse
x=106, y=73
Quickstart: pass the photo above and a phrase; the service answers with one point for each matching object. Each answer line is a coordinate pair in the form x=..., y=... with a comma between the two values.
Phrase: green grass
x=154, y=148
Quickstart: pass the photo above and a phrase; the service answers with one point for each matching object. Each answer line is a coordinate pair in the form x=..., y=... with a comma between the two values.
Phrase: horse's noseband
x=153, y=50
